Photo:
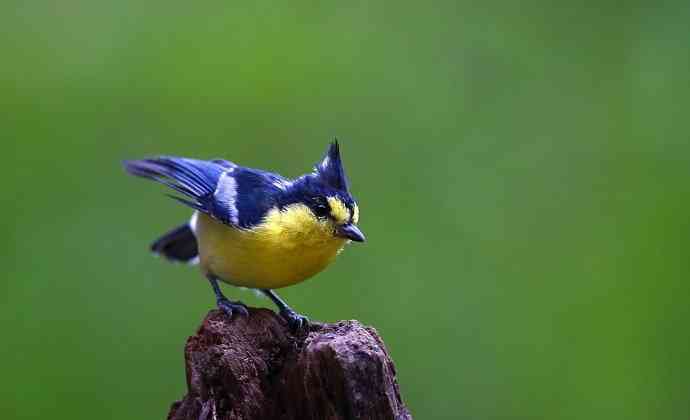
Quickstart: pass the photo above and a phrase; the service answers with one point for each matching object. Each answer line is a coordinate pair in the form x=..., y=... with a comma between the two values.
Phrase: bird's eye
x=321, y=208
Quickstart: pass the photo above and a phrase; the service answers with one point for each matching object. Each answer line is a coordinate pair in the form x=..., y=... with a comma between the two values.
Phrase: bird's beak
x=351, y=232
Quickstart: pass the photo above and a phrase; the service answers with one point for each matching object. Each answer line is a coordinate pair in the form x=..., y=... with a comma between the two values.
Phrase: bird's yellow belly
x=280, y=252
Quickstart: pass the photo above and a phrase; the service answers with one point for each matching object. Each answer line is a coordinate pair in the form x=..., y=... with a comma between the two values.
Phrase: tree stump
x=255, y=368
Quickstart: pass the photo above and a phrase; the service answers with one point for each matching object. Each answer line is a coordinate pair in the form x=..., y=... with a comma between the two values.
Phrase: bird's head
x=326, y=192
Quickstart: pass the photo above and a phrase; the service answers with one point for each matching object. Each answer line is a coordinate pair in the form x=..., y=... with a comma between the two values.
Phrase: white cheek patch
x=226, y=193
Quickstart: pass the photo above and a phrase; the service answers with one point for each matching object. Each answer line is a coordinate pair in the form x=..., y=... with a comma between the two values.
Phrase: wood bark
x=255, y=368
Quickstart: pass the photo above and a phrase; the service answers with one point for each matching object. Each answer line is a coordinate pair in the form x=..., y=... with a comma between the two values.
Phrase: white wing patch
x=226, y=193
x=193, y=221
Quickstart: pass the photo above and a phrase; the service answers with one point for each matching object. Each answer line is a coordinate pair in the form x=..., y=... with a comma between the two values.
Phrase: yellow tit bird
x=253, y=228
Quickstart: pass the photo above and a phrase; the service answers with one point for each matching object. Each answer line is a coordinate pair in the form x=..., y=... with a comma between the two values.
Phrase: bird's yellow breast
x=287, y=247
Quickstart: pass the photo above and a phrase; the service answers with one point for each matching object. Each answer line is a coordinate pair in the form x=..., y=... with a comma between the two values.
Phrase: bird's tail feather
x=177, y=245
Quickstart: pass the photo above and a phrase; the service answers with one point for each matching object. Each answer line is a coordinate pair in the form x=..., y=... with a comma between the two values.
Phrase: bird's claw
x=296, y=322
x=230, y=307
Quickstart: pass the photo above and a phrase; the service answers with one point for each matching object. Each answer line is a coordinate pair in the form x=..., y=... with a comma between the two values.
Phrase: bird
x=254, y=228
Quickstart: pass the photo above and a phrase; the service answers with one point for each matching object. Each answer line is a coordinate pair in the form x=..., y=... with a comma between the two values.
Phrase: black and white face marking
x=320, y=207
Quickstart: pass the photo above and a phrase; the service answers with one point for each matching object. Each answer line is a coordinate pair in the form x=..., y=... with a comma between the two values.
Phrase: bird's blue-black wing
x=234, y=195
x=256, y=193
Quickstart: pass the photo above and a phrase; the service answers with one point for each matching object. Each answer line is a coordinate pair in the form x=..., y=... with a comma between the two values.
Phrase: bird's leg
x=225, y=304
x=295, y=321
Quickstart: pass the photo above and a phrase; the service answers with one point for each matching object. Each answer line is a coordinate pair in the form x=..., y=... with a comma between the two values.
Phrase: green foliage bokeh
x=522, y=172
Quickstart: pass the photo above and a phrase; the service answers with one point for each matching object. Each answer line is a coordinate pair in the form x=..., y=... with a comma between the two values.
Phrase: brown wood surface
x=254, y=368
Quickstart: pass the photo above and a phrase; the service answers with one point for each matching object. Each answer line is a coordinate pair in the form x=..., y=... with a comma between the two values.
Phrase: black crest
x=330, y=170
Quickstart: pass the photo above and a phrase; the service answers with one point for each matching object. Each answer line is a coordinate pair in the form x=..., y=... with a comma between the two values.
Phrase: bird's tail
x=178, y=245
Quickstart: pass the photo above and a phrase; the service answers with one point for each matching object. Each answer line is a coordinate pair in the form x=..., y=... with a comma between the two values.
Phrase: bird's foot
x=230, y=307
x=296, y=322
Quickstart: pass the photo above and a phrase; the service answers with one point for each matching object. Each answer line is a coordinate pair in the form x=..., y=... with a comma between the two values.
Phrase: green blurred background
x=521, y=167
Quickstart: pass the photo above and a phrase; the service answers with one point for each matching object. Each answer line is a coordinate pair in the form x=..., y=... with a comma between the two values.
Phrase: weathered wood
x=254, y=368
